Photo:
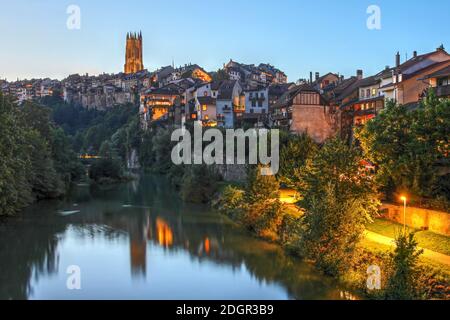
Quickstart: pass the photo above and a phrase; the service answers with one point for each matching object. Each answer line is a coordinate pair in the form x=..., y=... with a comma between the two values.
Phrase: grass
x=425, y=239
x=437, y=267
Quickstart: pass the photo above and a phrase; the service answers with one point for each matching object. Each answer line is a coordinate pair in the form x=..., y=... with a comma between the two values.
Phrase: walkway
x=433, y=255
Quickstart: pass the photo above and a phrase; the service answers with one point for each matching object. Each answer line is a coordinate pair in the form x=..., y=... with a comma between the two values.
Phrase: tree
x=293, y=157
x=220, y=75
x=15, y=190
x=339, y=199
x=108, y=168
x=199, y=184
x=408, y=145
x=262, y=210
x=402, y=283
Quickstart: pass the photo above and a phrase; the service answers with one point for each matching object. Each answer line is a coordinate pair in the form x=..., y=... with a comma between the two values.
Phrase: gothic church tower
x=133, y=56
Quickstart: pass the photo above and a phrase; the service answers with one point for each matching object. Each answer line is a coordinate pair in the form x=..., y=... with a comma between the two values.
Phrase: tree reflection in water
x=147, y=214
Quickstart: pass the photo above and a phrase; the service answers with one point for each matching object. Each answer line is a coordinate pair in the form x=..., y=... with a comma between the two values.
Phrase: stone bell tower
x=133, y=56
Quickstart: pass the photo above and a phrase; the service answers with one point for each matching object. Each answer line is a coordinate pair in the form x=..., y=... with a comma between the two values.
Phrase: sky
x=294, y=35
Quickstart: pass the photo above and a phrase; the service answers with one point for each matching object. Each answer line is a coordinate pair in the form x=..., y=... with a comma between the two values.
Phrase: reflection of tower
x=138, y=256
x=164, y=233
x=133, y=56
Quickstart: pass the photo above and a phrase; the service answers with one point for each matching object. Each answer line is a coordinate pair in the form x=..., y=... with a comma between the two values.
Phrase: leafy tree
x=262, y=208
x=220, y=75
x=293, y=157
x=402, y=283
x=108, y=168
x=408, y=146
x=199, y=184
x=15, y=165
x=43, y=178
x=339, y=198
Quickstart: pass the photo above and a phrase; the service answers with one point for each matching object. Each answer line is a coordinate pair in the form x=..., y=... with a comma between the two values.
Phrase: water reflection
x=139, y=241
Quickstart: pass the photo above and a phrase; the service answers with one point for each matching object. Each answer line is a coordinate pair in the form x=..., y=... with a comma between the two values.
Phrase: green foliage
x=230, y=202
x=108, y=168
x=35, y=158
x=402, y=283
x=162, y=150
x=261, y=188
x=409, y=147
x=339, y=198
x=262, y=210
x=220, y=75
x=293, y=157
x=199, y=184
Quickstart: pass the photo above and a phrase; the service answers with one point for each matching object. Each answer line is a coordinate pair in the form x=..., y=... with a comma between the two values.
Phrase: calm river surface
x=140, y=241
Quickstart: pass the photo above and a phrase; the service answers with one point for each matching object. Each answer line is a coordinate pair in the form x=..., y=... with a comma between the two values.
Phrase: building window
x=374, y=92
x=260, y=103
x=204, y=107
x=368, y=93
x=205, y=94
x=253, y=103
x=362, y=93
x=206, y=117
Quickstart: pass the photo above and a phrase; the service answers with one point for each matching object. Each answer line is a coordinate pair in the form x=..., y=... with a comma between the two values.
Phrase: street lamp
x=403, y=198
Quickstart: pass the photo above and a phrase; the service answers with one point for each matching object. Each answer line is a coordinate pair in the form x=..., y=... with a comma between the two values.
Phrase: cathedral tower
x=133, y=56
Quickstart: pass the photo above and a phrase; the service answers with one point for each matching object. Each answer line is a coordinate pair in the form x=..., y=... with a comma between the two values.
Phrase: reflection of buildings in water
x=164, y=233
x=138, y=257
x=138, y=249
x=208, y=246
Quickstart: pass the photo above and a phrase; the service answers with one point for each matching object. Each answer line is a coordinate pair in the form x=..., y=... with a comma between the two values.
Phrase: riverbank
x=433, y=267
x=138, y=240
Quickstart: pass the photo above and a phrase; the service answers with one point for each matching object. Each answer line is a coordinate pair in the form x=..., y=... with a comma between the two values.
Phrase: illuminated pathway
x=433, y=255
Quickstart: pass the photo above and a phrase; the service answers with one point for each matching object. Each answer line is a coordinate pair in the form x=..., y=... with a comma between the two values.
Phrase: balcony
x=443, y=91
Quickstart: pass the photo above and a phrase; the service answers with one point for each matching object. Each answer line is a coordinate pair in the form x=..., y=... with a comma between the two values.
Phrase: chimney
x=440, y=48
x=359, y=74
x=387, y=67
x=397, y=59
x=415, y=54
x=317, y=76
x=310, y=77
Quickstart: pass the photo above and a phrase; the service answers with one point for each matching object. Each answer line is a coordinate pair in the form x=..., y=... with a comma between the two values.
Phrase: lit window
x=205, y=107
x=374, y=92
x=206, y=117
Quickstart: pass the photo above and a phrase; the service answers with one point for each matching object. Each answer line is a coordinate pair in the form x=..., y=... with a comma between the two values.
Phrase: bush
x=402, y=284
x=199, y=184
x=339, y=199
x=230, y=202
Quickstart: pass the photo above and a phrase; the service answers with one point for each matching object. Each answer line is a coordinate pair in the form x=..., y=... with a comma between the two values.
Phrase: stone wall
x=425, y=219
x=315, y=120
x=232, y=172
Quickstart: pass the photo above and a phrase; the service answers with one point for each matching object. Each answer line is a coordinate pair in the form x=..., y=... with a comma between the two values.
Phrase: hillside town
x=248, y=95
x=361, y=176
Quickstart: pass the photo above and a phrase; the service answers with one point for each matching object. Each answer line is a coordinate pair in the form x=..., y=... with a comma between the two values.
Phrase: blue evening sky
x=296, y=36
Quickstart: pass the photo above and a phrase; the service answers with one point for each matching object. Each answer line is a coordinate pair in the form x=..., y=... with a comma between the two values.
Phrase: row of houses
x=25, y=90
x=322, y=106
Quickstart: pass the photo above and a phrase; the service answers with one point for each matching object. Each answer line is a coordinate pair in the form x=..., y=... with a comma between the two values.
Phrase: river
x=140, y=241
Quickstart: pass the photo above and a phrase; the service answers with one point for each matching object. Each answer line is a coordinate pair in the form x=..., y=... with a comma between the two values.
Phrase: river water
x=140, y=241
